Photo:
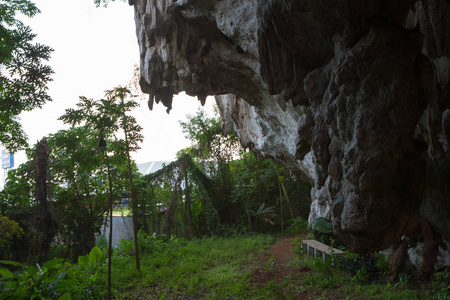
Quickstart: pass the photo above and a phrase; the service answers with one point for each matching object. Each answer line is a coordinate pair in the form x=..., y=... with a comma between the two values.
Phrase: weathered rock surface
x=351, y=95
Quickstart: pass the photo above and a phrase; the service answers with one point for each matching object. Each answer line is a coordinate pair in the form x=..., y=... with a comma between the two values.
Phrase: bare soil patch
x=275, y=266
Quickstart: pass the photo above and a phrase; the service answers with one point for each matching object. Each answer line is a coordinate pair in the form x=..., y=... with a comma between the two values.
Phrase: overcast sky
x=95, y=49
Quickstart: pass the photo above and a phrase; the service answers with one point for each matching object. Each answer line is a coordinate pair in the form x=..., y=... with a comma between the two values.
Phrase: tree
x=246, y=188
x=132, y=138
x=106, y=2
x=9, y=232
x=79, y=185
x=108, y=116
x=208, y=140
x=226, y=189
x=23, y=76
x=195, y=213
x=45, y=226
x=215, y=151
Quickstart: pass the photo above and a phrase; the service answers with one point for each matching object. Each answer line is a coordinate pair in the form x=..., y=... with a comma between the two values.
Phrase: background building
x=7, y=164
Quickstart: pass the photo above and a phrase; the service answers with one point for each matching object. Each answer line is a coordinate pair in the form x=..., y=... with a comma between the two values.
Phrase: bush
x=10, y=231
x=298, y=226
x=55, y=279
x=365, y=268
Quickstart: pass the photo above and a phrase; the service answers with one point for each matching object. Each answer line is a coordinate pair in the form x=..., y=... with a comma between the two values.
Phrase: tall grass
x=201, y=268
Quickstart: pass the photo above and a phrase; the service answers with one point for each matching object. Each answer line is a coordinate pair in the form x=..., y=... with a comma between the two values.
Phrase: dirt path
x=275, y=264
x=275, y=267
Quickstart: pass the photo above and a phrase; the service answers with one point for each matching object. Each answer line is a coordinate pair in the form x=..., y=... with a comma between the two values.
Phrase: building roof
x=151, y=167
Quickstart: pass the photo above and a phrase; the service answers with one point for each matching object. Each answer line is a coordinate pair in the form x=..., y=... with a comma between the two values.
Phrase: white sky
x=95, y=49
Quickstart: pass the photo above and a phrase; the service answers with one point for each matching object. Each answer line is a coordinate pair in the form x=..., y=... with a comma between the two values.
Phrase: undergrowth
x=211, y=268
x=365, y=277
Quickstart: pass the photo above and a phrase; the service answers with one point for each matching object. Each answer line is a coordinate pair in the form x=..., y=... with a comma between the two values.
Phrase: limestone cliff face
x=350, y=95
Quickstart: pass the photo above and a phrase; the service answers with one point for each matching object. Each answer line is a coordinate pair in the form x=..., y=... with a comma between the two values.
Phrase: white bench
x=318, y=249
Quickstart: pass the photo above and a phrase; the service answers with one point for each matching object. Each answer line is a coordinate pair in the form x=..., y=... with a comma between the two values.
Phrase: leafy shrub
x=44, y=282
x=365, y=268
x=9, y=232
x=323, y=225
x=298, y=225
x=442, y=283
x=323, y=230
x=56, y=279
x=266, y=214
x=156, y=243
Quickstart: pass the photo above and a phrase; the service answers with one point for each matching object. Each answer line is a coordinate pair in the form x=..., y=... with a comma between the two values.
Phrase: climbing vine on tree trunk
x=44, y=222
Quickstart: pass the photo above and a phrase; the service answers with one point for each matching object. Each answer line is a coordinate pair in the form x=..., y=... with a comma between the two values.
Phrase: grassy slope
x=215, y=268
x=203, y=268
x=219, y=268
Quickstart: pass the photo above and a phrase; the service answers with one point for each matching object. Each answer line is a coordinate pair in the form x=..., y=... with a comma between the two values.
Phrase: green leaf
x=101, y=242
x=125, y=245
x=83, y=260
x=95, y=255
x=66, y=296
x=12, y=263
x=21, y=294
x=6, y=273
x=59, y=279
x=67, y=283
x=323, y=225
x=32, y=270
x=54, y=263
x=94, y=277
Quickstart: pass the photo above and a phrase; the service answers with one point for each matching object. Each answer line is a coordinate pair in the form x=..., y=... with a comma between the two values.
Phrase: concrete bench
x=318, y=249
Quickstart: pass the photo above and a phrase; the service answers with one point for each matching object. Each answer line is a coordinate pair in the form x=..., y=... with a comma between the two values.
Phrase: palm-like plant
x=266, y=214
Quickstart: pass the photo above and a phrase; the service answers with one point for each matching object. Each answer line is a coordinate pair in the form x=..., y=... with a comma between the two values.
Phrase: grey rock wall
x=350, y=95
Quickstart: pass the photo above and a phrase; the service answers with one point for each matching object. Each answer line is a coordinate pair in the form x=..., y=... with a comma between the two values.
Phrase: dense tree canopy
x=23, y=75
x=213, y=188
x=77, y=181
x=217, y=188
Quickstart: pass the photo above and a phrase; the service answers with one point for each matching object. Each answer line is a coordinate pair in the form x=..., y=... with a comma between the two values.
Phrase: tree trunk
x=168, y=226
x=281, y=208
x=44, y=221
x=187, y=193
x=285, y=193
x=248, y=214
x=109, y=295
x=133, y=204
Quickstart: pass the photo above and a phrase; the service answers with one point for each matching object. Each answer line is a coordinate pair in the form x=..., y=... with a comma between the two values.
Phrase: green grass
x=204, y=268
x=327, y=278
x=122, y=211
x=220, y=268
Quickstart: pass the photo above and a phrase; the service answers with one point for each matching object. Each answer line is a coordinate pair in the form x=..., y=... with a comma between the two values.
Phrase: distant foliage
x=222, y=188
